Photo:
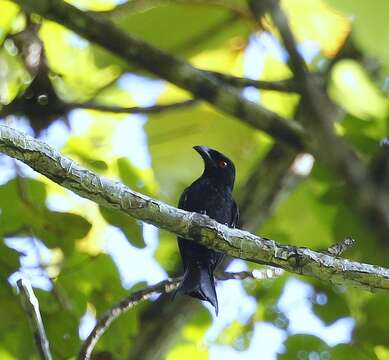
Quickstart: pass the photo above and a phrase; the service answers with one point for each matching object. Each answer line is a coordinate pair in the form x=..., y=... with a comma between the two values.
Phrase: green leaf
x=9, y=11
x=121, y=334
x=141, y=180
x=9, y=260
x=329, y=305
x=303, y=219
x=184, y=28
x=93, y=279
x=131, y=228
x=58, y=229
x=373, y=329
x=303, y=347
x=17, y=212
x=364, y=135
x=80, y=77
x=370, y=31
x=267, y=293
x=196, y=328
x=63, y=334
x=352, y=89
x=167, y=253
x=237, y=335
x=187, y=352
x=14, y=321
x=359, y=352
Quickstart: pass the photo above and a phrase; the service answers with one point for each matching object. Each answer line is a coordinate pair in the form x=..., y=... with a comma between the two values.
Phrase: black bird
x=211, y=194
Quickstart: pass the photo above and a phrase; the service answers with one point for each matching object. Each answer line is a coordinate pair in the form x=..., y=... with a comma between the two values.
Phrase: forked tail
x=198, y=282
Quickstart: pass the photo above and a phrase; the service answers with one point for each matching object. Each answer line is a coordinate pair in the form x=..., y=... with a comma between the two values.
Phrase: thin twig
x=132, y=110
x=297, y=62
x=31, y=307
x=287, y=85
x=340, y=247
x=163, y=287
x=258, y=274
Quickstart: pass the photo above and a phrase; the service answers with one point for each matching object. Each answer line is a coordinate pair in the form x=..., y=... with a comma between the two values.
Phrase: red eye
x=223, y=164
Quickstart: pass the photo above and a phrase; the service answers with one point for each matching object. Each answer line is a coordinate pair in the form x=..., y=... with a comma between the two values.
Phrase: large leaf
x=343, y=351
x=141, y=180
x=237, y=335
x=19, y=200
x=369, y=22
x=93, y=279
x=373, y=328
x=167, y=253
x=183, y=28
x=354, y=91
x=314, y=21
x=58, y=229
x=9, y=260
x=29, y=216
x=303, y=219
x=328, y=304
x=304, y=347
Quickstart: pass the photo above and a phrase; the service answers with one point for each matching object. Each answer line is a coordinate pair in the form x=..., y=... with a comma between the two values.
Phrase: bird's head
x=217, y=166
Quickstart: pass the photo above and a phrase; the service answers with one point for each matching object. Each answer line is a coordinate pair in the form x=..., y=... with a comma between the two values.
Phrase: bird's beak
x=204, y=153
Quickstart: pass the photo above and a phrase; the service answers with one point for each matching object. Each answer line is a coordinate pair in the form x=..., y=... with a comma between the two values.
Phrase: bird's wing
x=235, y=215
x=183, y=202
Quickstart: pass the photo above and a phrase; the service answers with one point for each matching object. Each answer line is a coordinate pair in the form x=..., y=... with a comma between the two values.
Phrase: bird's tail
x=199, y=282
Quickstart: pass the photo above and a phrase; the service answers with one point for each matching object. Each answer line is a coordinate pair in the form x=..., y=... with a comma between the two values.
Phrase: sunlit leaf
x=237, y=335
x=353, y=90
x=184, y=28
x=314, y=21
x=188, y=352
x=94, y=5
x=78, y=75
x=369, y=22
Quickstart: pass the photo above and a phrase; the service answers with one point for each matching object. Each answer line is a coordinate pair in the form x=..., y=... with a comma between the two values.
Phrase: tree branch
x=199, y=228
x=177, y=71
x=163, y=287
x=31, y=307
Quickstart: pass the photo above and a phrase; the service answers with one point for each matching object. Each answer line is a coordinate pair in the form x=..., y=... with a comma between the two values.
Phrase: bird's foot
x=297, y=258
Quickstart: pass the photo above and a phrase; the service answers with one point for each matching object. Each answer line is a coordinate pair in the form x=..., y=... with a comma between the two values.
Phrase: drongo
x=211, y=195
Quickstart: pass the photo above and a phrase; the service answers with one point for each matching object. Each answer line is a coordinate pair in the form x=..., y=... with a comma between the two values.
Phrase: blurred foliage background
x=82, y=259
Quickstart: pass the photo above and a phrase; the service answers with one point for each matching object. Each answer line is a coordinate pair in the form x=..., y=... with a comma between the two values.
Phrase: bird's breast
x=214, y=201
